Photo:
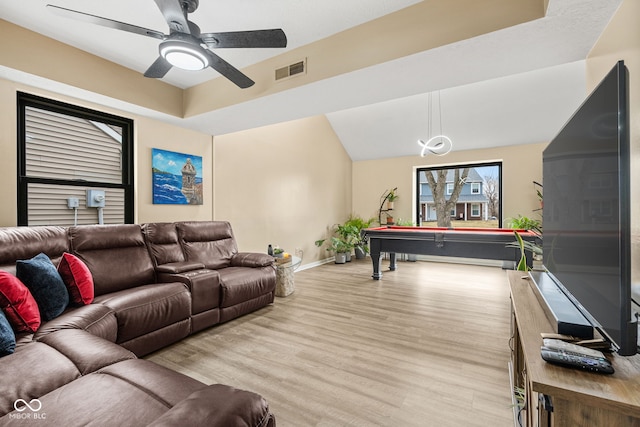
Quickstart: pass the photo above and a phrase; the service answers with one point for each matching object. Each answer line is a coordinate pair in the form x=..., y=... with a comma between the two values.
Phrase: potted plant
x=278, y=252
x=389, y=219
x=355, y=225
x=342, y=250
x=391, y=197
x=348, y=235
x=338, y=246
x=530, y=224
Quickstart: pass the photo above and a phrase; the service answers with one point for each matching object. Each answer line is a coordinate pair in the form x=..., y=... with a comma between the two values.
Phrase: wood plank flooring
x=425, y=346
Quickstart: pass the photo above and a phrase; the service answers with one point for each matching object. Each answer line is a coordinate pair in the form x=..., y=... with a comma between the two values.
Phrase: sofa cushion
x=235, y=408
x=18, y=304
x=240, y=284
x=32, y=371
x=163, y=242
x=210, y=242
x=43, y=280
x=27, y=242
x=96, y=319
x=148, y=308
x=95, y=400
x=77, y=278
x=116, y=255
x=87, y=352
x=7, y=336
x=128, y=393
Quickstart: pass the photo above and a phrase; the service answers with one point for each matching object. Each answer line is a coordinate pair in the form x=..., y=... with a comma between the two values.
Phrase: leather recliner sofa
x=154, y=285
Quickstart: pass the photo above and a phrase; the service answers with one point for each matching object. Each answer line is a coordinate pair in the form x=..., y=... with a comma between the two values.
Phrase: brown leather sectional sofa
x=154, y=284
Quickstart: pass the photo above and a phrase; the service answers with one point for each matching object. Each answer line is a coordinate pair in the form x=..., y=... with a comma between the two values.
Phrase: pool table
x=485, y=243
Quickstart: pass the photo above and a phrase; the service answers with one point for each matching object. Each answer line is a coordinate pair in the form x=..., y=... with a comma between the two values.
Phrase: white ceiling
x=513, y=86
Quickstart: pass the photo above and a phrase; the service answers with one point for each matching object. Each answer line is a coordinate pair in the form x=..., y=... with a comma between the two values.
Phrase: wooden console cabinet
x=558, y=396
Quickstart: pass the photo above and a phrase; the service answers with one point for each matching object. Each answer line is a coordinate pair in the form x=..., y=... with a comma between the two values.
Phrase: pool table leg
x=392, y=261
x=375, y=260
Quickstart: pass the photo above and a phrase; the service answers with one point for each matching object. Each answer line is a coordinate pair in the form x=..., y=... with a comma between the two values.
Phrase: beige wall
x=521, y=165
x=621, y=40
x=60, y=62
x=283, y=184
x=148, y=134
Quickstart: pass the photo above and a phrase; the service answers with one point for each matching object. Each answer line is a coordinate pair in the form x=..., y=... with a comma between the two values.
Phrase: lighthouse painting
x=177, y=178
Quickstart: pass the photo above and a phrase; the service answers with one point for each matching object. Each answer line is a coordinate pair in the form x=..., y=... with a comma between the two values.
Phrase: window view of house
x=69, y=151
x=461, y=196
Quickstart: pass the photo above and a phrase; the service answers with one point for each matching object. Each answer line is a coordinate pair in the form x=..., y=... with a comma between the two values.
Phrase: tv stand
x=558, y=396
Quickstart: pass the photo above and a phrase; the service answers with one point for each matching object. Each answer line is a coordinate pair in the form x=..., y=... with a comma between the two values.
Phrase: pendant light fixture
x=440, y=144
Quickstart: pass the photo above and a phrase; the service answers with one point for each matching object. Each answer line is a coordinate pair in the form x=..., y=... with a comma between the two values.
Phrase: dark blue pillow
x=43, y=280
x=7, y=337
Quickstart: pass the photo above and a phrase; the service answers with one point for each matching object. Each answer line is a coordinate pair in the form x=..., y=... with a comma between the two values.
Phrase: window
x=64, y=151
x=460, y=196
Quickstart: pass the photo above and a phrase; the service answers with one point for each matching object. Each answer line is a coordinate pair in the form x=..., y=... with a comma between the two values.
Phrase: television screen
x=586, y=218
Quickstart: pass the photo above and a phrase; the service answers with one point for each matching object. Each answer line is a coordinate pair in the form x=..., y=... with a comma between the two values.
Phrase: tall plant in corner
x=522, y=264
x=530, y=224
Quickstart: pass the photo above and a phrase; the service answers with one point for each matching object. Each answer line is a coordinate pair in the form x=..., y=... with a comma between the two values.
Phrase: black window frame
x=417, y=194
x=25, y=100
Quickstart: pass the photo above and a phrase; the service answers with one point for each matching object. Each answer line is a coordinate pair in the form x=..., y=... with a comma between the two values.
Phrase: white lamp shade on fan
x=184, y=55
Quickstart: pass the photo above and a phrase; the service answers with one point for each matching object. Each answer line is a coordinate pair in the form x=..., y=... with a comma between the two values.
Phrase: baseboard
x=316, y=263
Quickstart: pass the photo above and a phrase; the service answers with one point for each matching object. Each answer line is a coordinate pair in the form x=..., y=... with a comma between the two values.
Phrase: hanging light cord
x=440, y=144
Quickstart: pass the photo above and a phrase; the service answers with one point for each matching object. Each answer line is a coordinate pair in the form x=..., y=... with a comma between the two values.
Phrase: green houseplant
x=356, y=224
x=338, y=246
x=391, y=197
x=530, y=224
x=347, y=237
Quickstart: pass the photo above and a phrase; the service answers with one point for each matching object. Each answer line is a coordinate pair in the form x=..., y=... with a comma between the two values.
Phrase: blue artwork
x=177, y=178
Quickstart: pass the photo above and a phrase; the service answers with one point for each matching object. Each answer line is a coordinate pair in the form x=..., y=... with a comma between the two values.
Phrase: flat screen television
x=586, y=212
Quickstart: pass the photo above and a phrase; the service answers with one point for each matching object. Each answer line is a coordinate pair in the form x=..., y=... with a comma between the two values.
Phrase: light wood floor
x=425, y=346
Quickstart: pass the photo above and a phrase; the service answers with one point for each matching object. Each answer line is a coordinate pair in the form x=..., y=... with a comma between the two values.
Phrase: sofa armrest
x=179, y=267
x=251, y=259
x=219, y=405
x=203, y=284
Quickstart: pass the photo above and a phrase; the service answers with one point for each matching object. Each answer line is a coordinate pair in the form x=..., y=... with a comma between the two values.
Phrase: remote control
x=555, y=344
x=576, y=360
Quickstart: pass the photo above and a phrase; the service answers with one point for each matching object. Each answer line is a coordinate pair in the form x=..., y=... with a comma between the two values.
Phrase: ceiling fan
x=186, y=47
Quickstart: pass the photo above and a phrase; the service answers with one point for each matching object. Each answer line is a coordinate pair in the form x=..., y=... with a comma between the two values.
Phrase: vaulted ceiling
x=501, y=72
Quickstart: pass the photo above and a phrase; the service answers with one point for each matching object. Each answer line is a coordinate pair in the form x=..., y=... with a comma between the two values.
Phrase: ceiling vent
x=295, y=69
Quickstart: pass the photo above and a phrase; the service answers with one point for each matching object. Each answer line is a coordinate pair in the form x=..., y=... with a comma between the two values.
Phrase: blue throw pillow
x=43, y=280
x=7, y=337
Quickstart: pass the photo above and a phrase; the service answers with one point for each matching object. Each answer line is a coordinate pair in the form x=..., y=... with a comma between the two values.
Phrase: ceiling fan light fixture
x=186, y=56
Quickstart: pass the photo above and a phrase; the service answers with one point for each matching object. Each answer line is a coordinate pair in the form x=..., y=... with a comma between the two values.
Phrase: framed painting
x=177, y=178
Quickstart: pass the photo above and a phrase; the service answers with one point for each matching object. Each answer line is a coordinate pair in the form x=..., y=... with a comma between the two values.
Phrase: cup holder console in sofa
x=154, y=284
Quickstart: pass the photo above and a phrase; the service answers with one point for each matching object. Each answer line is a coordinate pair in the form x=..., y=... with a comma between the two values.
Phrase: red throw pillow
x=18, y=304
x=78, y=279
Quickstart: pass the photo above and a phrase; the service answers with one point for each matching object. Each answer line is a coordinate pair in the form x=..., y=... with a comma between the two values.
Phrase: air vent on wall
x=297, y=68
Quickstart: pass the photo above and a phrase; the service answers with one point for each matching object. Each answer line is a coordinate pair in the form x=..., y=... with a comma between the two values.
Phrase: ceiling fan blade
x=105, y=22
x=229, y=71
x=257, y=38
x=158, y=69
x=174, y=15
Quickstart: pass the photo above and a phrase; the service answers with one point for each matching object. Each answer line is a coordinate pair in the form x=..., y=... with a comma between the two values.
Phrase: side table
x=285, y=268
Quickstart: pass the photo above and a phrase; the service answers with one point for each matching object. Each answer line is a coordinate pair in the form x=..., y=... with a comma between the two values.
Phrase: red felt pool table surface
x=399, y=228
